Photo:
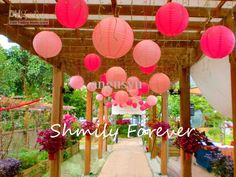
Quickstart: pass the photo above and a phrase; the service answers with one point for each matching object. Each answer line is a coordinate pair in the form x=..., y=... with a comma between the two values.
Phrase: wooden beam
x=186, y=163
x=57, y=104
x=164, y=142
x=101, y=122
x=89, y=108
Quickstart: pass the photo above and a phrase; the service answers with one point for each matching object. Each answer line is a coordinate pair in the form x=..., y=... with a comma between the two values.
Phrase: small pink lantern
x=172, y=19
x=47, y=44
x=134, y=105
x=159, y=83
x=108, y=104
x=99, y=97
x=76, y=82
x=113, y=95
x=147, y=105
x=92, y=62
x=151, y=100
x=140, y=102
x=142, y=107
x=71, y=13
x=217, y=42
x=129, y=102
x=91, y=86
x=103, y=78
x=144, y=88
x=121, y=97
x=147, y=70
x=146, y=53
x=113, y=37
x=133, y=92
x=106, y=91
x=133, y=83
x=116, y=76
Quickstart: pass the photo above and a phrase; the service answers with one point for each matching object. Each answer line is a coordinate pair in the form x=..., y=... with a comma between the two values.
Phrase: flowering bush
x=49, y=144
x=190, y=144
x=88, y=127
x=155, y=124
x=9, y=167
x=68, y=120
x=123, y=122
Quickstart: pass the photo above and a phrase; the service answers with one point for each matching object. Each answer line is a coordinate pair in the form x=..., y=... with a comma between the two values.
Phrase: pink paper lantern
x=142, y=107
x=47, y=44
x=151, y=100
x=140, y=102
x=146, y=53
x=121, y=97
x=172, y=19
x=116, y=76
x=133, y=92
x=133, y=83
x=147, y=70
x=76, y=82
x=108, y=104
x=99, y=97
x=146, y=105
x=134, y=105
x=113, y=37
x=71, y=13
x=91, y=86
x=106, y=91
x=92, y=62
x=159, y=83
x=217, y=42
x=144, y=88
x=103, y=78
x=129, y=102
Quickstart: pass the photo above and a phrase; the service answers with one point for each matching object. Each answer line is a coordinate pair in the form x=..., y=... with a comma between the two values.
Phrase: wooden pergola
x=178, y=53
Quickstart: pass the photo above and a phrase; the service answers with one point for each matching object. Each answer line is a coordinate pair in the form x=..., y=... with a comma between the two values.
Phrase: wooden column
x=106, y=120
x=89, y=108
x=154, y=145
x=150, y=139
x=101, y=122
x=58, y=81
x=186, y=163
x=164, y=142
x=26, y=125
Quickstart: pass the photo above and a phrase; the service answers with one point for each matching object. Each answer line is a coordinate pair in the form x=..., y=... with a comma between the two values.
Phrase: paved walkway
x=127, y=160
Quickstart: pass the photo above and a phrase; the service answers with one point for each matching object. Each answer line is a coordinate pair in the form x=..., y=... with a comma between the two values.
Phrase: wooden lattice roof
x=177, y=51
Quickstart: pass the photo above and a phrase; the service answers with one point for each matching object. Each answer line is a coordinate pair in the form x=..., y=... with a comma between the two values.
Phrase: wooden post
x=106, y=120
x=150, y=139
x=164, y=142
x=186, y=163
x=101, y=122
x=26, y=125
x=89, y=108
x=58, y=81
x=154, y=145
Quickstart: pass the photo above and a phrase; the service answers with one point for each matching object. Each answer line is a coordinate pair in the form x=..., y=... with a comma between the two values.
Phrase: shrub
x=9, y=167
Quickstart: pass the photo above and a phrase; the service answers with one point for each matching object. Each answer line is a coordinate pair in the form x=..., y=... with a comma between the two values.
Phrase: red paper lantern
x=147, y=70
x=159, y=83
x=144, y=89
x=217, y=42
x=71, y=13
x=92, y=62
x=113, y=37
x=172, y=19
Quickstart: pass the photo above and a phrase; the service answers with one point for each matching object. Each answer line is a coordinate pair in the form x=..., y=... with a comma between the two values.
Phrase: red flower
x=88, y=127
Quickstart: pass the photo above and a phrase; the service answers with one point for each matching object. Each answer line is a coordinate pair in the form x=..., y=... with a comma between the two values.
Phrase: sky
x=5, y=44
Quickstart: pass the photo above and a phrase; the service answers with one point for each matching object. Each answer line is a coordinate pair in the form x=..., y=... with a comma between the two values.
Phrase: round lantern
x=47, y=44
x=71, y=13
x=151, y=100
x=129, y=102
x=142, y=107
x=140, y=102
x=113, y=95
x=103, y=78
x=133, y=92
x=113, y=37
x=76, y=82
x=134, y=105
x=147, y=105
x=108, y=104
x=217, y=42
x=172, y=19
x=99, y=97
x=133, y=83
x=106, y=91
x=146, y=53
x=92, y=86
x=92, y=62
x=159, y=83
x=116, y=76
x=121, y=97
x=147, y=70
x=144, y=88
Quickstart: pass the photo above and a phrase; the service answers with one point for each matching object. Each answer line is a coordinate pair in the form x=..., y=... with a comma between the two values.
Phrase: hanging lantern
x=108, y=104
x=106, y=91
x=92, y=86
x=76, y=82
x=113, y=37
x=147, y=70
x=47, y=44
x=159, y=83
x=71, y=13
x=146, y=53
x=172, y=19
x=151, y=100
x=121, y=97
x=92, y=62
x=99, y=97
x=103, y=78
x=116, y=76
x=217, y=42
x=144, y=88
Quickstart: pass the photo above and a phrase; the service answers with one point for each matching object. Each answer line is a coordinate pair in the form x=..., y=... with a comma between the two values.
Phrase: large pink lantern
x=144, y=88
x=217, y=42
x=159, y=83
x=91, y=86
x=113, y=37
x=47, y=44
x=172, y=19
x=133, y=83
x=106, y=91
x=147, y=70
x=71, y=13
x=121, y=97
x=133, y=92
x=99, y=97
x=116, y=76
x=146, y=53
x=76, y=82
x=151, y=100
x=92, y=62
